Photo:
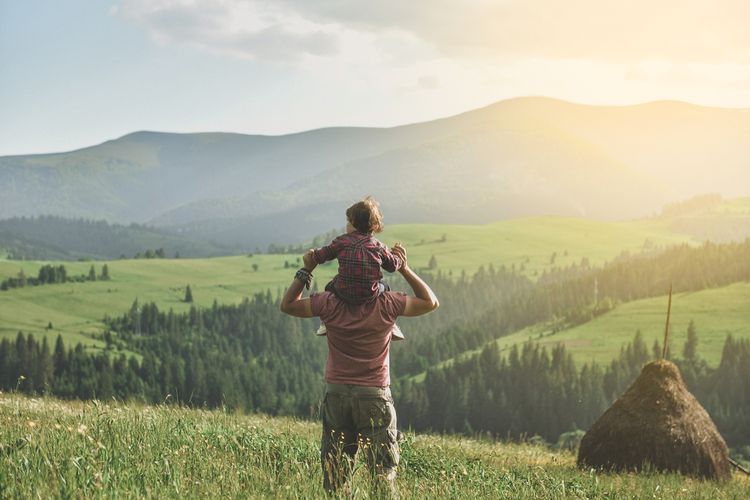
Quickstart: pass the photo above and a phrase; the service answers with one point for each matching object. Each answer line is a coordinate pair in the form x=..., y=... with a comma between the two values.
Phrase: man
x=358, y=409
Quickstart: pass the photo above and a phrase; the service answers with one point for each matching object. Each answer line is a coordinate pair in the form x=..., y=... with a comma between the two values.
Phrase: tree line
x=221, y=357
x=498, y=301
x=535, y=391
x=50, y=275
x=251, y=357
x=245, y=356
x=50, y=237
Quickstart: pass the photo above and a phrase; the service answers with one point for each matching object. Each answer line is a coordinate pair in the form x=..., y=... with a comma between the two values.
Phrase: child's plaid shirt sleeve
x=391, y=262
x=329, y=252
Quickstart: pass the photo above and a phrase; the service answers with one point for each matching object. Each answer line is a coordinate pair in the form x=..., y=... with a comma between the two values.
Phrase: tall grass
x=50, y=448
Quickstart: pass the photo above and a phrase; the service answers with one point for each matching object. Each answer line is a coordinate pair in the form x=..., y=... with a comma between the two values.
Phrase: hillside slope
x=76, y=308
x=716, y=313
x=526, y=156
x=53, y=238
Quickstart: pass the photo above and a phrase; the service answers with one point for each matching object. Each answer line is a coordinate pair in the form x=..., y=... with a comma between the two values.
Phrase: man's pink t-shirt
x=359, y=337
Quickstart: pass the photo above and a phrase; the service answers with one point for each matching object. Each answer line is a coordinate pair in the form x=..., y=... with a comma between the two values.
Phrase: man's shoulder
x=320, y=300
x=394, y=302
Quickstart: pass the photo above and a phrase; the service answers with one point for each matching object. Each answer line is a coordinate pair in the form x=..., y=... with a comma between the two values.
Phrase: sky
x=75, y=73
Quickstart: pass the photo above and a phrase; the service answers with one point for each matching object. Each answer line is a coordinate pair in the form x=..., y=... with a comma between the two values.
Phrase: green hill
x=76, y=309
x=52, y=448
x=716, y=313
x=57, y=238
x=533, y=245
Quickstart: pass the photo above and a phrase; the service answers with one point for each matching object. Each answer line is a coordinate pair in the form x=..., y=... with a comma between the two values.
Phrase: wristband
x=304, y=276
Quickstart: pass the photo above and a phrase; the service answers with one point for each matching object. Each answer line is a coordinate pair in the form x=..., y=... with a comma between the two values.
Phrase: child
x=360, y=257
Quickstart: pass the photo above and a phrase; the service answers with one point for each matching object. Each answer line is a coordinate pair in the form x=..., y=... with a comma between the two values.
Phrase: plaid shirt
x=360, y=258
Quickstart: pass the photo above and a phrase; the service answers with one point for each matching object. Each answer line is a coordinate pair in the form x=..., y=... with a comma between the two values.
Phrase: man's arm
x=424, y=299
x=292, y=303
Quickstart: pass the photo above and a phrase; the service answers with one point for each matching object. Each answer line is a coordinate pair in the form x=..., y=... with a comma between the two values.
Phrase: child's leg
x=322, y=330
x=396, y=333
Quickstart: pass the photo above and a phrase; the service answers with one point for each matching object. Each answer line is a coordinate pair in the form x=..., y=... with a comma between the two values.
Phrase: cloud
x=243, y=29
x=678, y=30
x=428, y=82
x=684, y=31
x=598, y=51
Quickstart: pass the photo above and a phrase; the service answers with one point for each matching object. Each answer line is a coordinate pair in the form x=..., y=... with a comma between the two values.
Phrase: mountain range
x=519, y=157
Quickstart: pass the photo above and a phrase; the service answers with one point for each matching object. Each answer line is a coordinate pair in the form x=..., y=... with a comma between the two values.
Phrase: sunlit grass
x=72, y=449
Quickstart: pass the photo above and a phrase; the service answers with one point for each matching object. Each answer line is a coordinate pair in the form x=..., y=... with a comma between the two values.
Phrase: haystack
x=656, y=423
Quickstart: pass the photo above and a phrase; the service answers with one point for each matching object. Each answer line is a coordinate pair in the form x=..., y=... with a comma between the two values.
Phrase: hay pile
x=659, y=423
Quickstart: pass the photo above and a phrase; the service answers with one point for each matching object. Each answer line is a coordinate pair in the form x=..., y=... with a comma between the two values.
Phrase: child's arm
x=329, y=252
x=391, y=261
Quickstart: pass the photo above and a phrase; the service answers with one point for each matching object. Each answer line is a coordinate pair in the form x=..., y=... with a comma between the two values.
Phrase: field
x=51, y=448
x=716, y=313
x=76, y=310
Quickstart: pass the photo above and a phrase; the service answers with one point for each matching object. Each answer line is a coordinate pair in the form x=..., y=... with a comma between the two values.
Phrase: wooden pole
x=666, y=328
x=739, y=467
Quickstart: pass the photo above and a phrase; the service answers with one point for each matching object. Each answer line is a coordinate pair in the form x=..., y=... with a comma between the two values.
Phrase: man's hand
x=399, y=251
x=309, y=260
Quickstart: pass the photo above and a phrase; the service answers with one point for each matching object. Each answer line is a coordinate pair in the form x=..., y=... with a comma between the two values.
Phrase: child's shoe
x=322, y=330
x=396, y=333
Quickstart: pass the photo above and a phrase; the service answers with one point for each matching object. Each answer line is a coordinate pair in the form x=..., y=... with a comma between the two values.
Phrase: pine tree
x=691, y=344
x=105, y=272
x=433, y=263
x=62, y=274
x=188, y=294
x=46, y=370
x=92, y=273
x=59, y=359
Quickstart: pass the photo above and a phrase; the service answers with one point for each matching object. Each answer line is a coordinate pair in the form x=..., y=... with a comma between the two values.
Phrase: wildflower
x=82, y=428
x=31, y=424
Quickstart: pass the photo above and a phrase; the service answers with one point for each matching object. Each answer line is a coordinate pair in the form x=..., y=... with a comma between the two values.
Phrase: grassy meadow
x=76, y=310
x=50, y=448
x=716, y=312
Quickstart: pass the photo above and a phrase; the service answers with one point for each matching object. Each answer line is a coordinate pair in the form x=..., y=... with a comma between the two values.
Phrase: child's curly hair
x=365, y=216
